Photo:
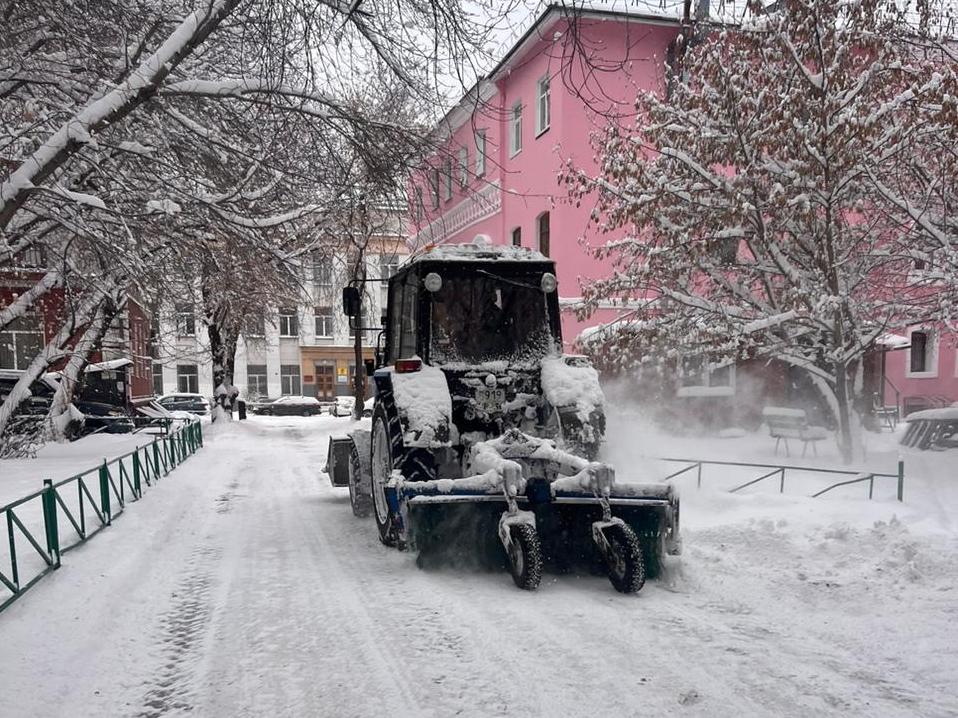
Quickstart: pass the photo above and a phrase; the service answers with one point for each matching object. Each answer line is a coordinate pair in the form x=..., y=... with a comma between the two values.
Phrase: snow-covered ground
x=243, y=586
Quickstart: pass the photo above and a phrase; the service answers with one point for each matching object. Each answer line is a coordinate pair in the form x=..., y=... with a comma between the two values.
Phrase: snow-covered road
x=243, y=586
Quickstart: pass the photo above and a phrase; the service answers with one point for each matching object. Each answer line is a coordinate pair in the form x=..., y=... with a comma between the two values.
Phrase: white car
x=343, y=406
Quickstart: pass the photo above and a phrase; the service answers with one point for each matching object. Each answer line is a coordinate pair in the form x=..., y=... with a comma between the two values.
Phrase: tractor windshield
x=484, y=316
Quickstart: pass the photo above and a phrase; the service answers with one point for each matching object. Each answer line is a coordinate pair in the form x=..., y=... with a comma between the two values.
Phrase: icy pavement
x=243, y=586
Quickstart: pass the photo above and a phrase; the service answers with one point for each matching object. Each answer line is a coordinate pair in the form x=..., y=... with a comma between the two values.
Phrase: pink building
x=510, y=135
x=506, y=141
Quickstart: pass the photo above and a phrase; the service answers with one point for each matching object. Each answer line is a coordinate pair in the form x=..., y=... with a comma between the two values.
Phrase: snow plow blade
x=567, y=503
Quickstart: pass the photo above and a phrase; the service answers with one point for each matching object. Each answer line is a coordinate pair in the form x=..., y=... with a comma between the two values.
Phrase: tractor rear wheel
x=525, y=556
x=361, y=502
x=624, y=562
x=381, y=466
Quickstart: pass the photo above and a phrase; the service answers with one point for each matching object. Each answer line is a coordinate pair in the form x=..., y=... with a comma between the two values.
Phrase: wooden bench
x=785, y=424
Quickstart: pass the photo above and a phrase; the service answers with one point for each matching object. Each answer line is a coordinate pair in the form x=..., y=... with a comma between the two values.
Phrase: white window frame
x=260, y=379
x=328, y=321
x=185, y=317
x=284, y=378
x=515, y=129
x=932, y=354
x=463, y=167
x=284, y=332
x=480, y=153
x=15, y=330
x=191, y=387
x=706, y=389
x=543, y=102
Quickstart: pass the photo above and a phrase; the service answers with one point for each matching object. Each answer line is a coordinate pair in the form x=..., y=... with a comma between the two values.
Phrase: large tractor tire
x=624, y=563
x=525, y=556
x=359, y=494
x=382, y=462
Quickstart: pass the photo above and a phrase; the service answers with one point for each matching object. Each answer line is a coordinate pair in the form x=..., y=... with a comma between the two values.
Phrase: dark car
x=185, y=401
x=97, y=415
x=288, y=406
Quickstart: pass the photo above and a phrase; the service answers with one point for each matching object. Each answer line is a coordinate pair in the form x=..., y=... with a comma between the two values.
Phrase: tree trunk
x=843, y=397
x=53, y=351
x=359, y=375
x=60, y=415
x=223, y=338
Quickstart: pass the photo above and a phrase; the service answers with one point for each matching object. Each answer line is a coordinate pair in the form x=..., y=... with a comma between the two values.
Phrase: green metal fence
x=83, y=505
x=777, y=471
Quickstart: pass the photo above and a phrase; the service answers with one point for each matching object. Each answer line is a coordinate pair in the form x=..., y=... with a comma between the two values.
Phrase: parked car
x=185, y=401
x=97, y=415
x=343, y=406
x=289, y=406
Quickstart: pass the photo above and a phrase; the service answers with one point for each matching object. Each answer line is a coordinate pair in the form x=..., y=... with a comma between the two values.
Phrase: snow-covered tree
x=143, y=132
x=744, y=214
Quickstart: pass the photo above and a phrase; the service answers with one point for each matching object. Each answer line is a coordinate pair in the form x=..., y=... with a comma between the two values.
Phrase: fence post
x=199, y=432
x=698, y=479
x=50, y=522
x=781, y=486
x=901, y=479
x=871, y=485
x=156, y=458
x=137, y=489
x=105, y=493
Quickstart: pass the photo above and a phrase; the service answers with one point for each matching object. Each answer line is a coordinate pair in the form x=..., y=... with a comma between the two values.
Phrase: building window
x=517, y=237
x=322, y=270
x=434, y=187
x=699, y=377
x=288, y=322
x=542, y=233
x=418, y=208
x=324, y=322
x=447, y=178
x=20, y=342
x=463, y=167
x=542, y=106
x=515, y=130
x=256, y=381
x=157, y=378
x=185, y=320
x=187, y=379
x=923, y=354
x=254, y=327
x=480, y=153
x=289, y=380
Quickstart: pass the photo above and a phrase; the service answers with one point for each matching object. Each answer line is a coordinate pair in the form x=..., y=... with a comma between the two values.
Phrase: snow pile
x=572, y=381
x=479, y=253
x=423, y=400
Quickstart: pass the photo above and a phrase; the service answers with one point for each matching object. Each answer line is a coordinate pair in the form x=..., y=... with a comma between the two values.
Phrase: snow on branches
x=751, y=209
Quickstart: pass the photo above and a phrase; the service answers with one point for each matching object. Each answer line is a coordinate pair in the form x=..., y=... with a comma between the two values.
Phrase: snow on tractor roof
x=478, y=253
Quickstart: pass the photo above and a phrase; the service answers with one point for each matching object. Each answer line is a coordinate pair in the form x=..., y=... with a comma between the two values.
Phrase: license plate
x=490, y=399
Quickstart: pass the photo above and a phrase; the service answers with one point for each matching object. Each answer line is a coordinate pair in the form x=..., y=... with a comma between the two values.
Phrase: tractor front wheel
x=525, y=556
x=624, y=562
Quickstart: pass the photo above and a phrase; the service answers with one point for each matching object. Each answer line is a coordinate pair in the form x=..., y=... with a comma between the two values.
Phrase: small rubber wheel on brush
x=525, y=556
x=624, y=563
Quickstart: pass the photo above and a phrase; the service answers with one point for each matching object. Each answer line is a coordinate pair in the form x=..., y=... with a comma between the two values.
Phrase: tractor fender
x=422, y=402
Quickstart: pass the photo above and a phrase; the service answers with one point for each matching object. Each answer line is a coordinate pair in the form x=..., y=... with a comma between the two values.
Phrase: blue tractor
x=484, y=437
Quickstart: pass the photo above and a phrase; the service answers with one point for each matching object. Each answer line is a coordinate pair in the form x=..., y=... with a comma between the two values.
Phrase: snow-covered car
x=185, y=401
x=343, y=406
x=290, y=406
x=91, y=416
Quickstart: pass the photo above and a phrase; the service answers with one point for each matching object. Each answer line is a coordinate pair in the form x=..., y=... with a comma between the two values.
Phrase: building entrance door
x=325, y=381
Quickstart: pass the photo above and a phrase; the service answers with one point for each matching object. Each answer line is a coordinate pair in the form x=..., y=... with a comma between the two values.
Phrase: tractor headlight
x=432, y=282
x=548, y=283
